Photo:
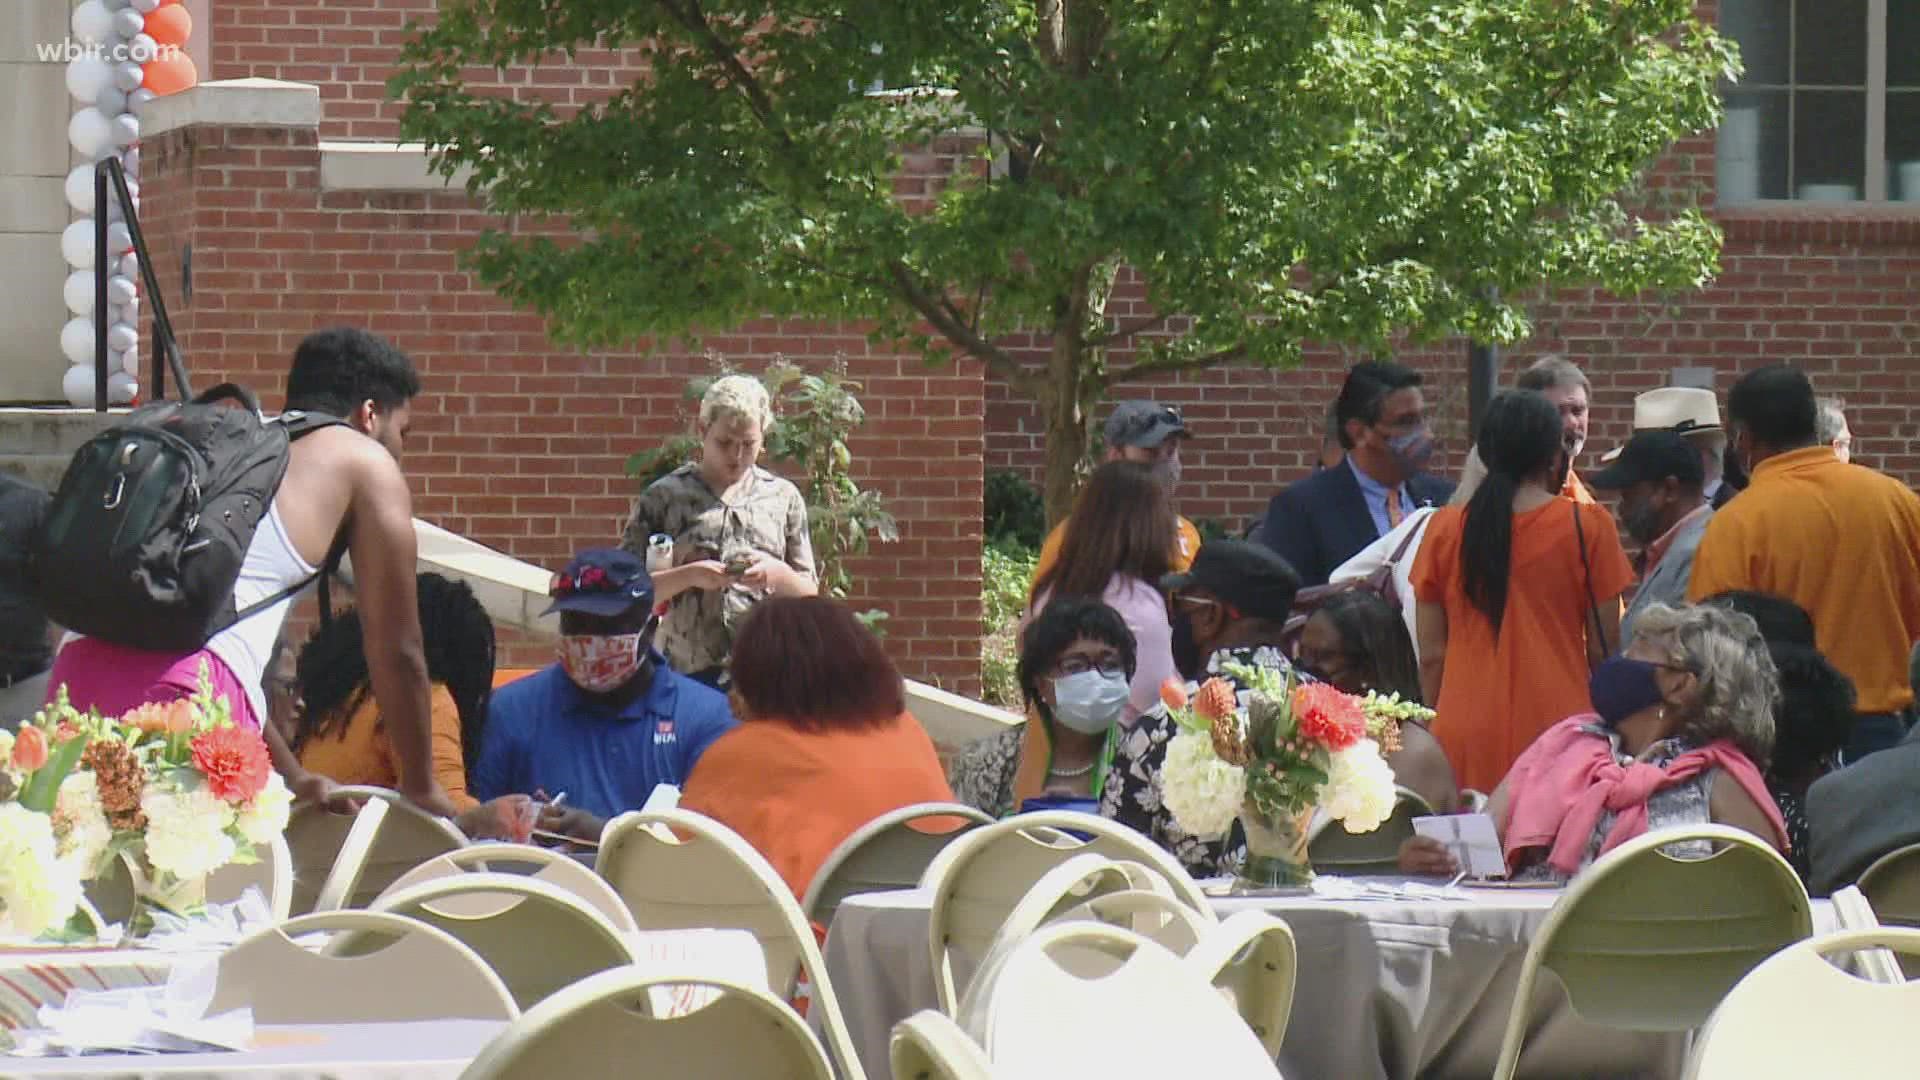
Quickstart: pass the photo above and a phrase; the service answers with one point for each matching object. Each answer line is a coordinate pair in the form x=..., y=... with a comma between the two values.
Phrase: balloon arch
x=130, y=52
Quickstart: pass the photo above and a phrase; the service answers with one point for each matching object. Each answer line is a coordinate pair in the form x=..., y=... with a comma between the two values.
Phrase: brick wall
x=519, y=443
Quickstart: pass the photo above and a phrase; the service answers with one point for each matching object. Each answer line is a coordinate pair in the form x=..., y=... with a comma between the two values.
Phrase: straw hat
x=1684, y=409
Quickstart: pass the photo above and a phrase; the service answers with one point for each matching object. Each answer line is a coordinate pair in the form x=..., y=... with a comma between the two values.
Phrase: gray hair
x=1830, y=419
x=1552, y=371
x=736, y=396
x=1739, y=687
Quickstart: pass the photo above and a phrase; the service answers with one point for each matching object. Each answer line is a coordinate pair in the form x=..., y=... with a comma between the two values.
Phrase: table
x=42, y=975
x=1387, y=988
x=423, y=1050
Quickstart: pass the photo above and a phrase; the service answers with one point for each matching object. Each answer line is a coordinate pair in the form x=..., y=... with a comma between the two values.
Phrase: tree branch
x=695, y=20
x=1125, y=331
x=1149, y=369
x=941, y=313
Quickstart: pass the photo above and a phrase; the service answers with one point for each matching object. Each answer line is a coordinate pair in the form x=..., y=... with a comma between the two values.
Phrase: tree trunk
x=1065, y=403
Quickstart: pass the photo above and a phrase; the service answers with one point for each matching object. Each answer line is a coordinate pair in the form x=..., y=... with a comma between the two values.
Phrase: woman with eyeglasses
x=1076, y=657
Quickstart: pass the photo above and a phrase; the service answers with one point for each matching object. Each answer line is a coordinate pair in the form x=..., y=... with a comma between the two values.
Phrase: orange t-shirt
x=795, y=795
x=1498, y=692
x=1185, y=546
x=1842, y=541
x=361, y=753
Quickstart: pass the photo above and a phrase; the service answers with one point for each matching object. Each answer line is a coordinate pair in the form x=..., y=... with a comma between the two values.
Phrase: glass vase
x=1276, y=851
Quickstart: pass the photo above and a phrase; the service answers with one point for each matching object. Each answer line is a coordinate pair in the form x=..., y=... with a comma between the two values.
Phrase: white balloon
x=130, y=362
x=79, y=188
x=145, y=5
x=76, y=340
x=119, y=238
x=128, y=77
x=140, y=97
x=90, y=133
x=128, y=22
x=126, y=129
x=129, y=266
x=76, y=244
x=78, y=291
x=87, y=75
x=122, y=388
x=92, y=22
x=112, y=100
x=77, y=384
x=130, y=162
x=122, y=337
x=142, y=49
x=115, y=5
x=128, y=313
x=121, y=290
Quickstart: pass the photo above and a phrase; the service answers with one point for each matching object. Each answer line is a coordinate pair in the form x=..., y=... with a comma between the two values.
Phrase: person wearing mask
x=1694, y=414
x=1833, y=429
x=25, y=655
x=1692, y=700
x=1322, y=521
x=1115, y=551
x=1857, y=814
x=611, y=720
x=825, y=743
x=1231, y=606
x=1145, y=433
x=1519, y=595
x=739, y=532
x=1076, y=656
x=1663, y=507
x=1357, y=643
x=1561, y=382
x=1842, y=541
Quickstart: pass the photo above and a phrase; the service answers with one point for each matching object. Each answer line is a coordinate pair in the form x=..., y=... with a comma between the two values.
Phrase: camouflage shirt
x=769, y=516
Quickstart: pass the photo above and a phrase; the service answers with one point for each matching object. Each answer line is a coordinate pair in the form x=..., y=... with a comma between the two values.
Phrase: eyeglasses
x=1109, y=666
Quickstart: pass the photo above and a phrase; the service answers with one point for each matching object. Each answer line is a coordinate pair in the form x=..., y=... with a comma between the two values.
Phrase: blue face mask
x=1413, y=450
x=1621, y=687
x=1090, y=702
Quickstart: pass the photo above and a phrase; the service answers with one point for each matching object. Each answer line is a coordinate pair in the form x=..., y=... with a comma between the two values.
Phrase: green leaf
x=43, y=787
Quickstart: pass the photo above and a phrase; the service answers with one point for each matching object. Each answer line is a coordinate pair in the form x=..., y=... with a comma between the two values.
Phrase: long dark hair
x=1123, y=524
x=458, y=636
x=1519, y=438
x=1375, y=639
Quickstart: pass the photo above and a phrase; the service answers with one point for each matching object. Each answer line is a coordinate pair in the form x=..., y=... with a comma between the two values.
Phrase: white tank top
x=270, y=566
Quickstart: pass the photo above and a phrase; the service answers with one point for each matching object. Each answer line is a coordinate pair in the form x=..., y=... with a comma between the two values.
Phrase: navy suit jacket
x=1320, y=522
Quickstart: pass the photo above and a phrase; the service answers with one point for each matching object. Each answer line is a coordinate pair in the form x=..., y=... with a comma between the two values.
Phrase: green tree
x=1274, y=171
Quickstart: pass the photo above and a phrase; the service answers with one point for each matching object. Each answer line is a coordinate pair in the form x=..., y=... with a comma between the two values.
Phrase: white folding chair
x=1334, y=850
x=679, y=870
x=1796, y=1014
x=537, y=937
x=418, y=973
x=929, y=1046
x=271, y=873
x=1116, y=892
x=345, y=861
x=1252, y=959
x=541, y=864
x=1855, y=912
x=886, y=853
x=605, y=1028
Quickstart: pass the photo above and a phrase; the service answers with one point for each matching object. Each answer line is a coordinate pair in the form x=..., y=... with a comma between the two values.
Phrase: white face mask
x=600, y=664
x=1089, y=702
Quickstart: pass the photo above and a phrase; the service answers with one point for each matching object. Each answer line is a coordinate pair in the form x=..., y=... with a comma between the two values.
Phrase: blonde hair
x=1739, y=686
x=739, y=396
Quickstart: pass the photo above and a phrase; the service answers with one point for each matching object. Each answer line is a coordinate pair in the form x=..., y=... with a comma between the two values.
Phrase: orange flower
x=1216, y=699
x=29, y=748
x=235, y=762
x=67, y=731
x=1173, y=692
x=162, y=718
x=1328, y=717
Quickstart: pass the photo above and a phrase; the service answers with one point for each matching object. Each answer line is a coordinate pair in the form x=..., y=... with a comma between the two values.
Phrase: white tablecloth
x=1387, y=988
x=425, y=1050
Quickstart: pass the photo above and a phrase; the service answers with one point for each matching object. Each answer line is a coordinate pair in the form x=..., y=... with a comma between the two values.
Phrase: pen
x=554, y=803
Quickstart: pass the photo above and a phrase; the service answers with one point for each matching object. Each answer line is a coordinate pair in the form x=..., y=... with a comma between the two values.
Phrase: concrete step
x=41, y=470
x=55, y=432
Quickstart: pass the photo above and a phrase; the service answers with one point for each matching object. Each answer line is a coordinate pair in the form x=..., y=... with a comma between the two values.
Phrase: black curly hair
x=1815, y=716
x=458, y=636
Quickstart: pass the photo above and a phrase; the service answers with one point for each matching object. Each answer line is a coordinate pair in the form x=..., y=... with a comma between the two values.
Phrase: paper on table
x=218, y=926
x=1472, y=840
x=170, y=1018
x=664, y=797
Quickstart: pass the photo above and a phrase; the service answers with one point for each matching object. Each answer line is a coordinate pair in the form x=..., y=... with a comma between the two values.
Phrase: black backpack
x=143, y=542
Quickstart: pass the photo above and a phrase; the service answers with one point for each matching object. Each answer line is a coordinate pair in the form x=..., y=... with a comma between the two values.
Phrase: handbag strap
x=1586, y=571
x=1407, y=542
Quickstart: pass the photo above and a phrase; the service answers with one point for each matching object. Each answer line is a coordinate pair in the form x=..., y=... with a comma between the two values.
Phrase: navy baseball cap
x=601, y=581
x=1145, y=424
x=1652, y=456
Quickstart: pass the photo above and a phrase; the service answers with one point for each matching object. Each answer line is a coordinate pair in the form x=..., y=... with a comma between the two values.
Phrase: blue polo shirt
x=543, y=733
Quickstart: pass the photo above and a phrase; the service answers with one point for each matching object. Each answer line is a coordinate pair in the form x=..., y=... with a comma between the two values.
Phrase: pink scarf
x=1568, y=778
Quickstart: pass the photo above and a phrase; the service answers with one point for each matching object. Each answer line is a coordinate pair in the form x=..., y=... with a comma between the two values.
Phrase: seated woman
x=1684, y=724
x=1076, y=656
x=825, y=743
x=337, y=728
x=1357, y=642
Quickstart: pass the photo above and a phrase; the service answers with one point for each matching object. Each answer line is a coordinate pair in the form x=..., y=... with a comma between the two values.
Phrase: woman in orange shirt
x=825, y=742
x=1519, y=596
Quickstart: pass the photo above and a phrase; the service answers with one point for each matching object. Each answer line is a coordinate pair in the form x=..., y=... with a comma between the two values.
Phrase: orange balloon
x=170, y=25
x=170, y=74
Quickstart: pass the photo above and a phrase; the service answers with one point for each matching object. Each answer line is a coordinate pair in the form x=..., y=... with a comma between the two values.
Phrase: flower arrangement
x=1277, y=750
x=177, y=787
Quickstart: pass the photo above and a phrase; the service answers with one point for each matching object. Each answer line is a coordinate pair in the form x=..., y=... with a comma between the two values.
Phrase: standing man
x=1694, y=413
x=1559, y=381
x=1663, y=506
x=1322, y=521
x=1147, y=433
x=1842, y=542
x=1834, y=430
x=24, y=652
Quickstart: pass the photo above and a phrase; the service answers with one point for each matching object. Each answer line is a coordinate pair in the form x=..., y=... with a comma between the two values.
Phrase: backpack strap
x=228, y=391
x=298, y=423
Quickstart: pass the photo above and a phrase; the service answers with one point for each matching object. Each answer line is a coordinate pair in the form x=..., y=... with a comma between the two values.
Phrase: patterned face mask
x=600, y=664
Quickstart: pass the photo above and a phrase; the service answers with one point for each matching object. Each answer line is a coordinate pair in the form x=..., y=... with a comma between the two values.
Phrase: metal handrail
x=109, y=172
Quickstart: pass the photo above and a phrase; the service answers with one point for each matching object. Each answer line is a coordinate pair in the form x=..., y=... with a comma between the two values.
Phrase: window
x=1828, y=109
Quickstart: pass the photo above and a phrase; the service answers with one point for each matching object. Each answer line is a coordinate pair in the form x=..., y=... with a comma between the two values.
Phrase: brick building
x=272, y=210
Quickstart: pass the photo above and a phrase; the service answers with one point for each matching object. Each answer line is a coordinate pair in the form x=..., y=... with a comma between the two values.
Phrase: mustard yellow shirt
x=361, y=753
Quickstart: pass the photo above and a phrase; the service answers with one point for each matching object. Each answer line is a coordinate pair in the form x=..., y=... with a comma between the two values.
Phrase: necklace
x=1068, y=774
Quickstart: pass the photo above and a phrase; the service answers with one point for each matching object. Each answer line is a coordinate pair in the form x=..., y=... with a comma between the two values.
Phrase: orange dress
x=361, y=753
x=794, y=795
x=1498, y=692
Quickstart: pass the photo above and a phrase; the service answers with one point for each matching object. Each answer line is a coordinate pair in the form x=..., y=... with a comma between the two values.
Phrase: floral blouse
x=1131, y=795
x=982, y=775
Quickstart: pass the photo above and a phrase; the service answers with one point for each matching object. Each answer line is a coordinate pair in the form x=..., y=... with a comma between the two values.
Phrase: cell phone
x=739, y=565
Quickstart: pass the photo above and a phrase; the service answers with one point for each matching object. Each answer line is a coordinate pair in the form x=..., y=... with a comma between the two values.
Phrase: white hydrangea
x=1359, y=792
x=187, y=832
x=78, y=807
x=37, y=890
x=1203, y=792
x=266, y=816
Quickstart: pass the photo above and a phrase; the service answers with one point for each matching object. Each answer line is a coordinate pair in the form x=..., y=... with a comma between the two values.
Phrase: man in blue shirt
x=611, y=720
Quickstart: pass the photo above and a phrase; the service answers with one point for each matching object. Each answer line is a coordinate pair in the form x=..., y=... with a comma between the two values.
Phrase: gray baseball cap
x=1145, y=424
